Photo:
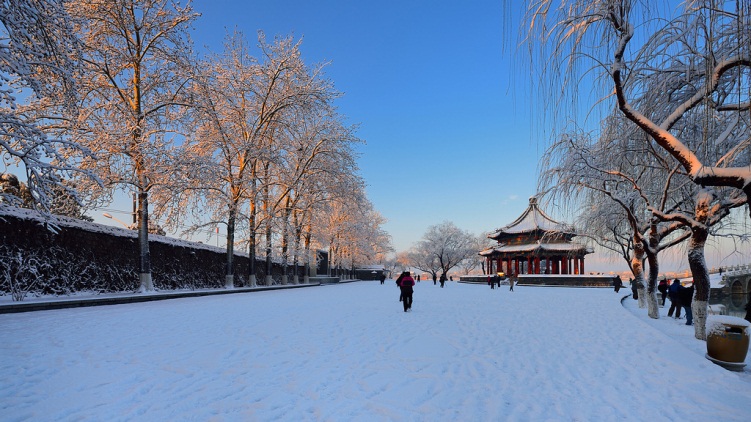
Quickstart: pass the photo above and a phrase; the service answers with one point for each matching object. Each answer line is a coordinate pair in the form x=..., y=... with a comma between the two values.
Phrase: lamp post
x=108, y=215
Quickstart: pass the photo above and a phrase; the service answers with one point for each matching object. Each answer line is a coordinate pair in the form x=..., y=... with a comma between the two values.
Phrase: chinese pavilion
x=535, y=244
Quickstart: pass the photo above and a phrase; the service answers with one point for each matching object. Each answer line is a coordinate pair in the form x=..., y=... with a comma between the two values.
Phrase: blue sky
x=442, y=108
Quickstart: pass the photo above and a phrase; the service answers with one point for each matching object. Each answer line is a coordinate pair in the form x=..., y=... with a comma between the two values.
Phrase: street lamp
x=108, y=215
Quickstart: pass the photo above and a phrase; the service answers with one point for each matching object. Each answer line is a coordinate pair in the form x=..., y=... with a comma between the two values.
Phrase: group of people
x=406, y=284
x=680, y=297
x=496, y=280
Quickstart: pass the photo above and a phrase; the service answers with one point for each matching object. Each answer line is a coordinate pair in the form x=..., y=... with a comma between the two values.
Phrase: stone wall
x=571, y=280
x=81, y=256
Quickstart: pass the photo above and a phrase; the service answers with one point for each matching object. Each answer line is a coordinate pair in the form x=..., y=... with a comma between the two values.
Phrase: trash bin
x=727, y=340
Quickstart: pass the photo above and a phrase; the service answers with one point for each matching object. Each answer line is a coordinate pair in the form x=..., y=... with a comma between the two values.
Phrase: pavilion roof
x=538, y=247
x=532, y=219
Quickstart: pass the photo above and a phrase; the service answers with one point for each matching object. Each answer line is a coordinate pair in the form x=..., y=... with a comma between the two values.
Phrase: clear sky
x=445, y=118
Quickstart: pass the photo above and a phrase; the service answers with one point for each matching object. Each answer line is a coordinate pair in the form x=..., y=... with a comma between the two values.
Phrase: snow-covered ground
x=348, y=353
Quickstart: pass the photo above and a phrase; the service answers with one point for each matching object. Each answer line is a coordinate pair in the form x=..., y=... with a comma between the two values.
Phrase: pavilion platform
x=565, y=280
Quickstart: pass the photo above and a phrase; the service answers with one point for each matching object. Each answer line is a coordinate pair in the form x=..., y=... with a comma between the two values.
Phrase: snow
x=554, y=247
x=349, y=352
x=74, y=223
x=532, y=219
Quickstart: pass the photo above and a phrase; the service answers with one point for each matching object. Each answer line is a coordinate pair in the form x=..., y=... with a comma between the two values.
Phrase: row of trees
x=672, y=157
x=253, y=142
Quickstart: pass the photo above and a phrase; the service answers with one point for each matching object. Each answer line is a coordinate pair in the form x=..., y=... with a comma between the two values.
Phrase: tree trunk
x=144, y=270
x=252, y=236
x=649, y=292
x=698, y=264
x=296, y=249
x=269, y=279
x=637, y=268
x=306, y=276
x=229, y=281
x=285, y=247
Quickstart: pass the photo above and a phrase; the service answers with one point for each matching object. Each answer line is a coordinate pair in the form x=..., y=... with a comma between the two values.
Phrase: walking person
x=383, y=278
x=491, y=281
x=617, y=283
x=663, y=288
x=443, y=279
x=434, y=279
x=634, y=288
x=406, y=284
x=511, y=284
x=686, y=297
x=675, y=300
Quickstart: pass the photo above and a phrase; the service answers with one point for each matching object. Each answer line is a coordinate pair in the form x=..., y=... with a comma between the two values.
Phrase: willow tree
x=698, y=61
x=133, y=87
x=611, y=189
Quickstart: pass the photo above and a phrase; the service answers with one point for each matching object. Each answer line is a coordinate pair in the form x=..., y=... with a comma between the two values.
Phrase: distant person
x=511, y=284
x=434, y=279
x=406, y=285
x=491, y=281
x=418, y=278
x=443, y=279
x=686, y=295
x=675, y=300
x=748, y=308
x=383, y=278
x=617, y=283
x=451, y=278
x=663, y=288
x=634, y=288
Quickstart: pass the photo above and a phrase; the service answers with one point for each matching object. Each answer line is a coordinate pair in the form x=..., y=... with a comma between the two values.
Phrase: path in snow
x=349, y=352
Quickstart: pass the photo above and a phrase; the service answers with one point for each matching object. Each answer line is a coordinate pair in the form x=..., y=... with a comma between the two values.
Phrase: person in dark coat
x=399, y=284
x=443, y=279
x=748, y=308
x=686, y=295
x=634, y=288
x=617, y=283
x=491, y=281
x=434, y=278
x=406, y=284
x=383, y=278
x=663, y=288
x=675, y=300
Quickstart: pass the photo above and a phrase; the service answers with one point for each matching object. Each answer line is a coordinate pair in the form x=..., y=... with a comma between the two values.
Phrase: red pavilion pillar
x=564, y=265
x=531, y=268
x=581, y=265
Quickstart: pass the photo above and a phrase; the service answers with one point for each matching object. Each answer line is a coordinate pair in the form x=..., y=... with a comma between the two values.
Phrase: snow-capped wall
x=82, y=256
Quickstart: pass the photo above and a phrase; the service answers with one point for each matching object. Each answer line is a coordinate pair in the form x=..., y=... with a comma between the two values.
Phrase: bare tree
x=447, y=244
x=38, y=62
x=132, y=88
